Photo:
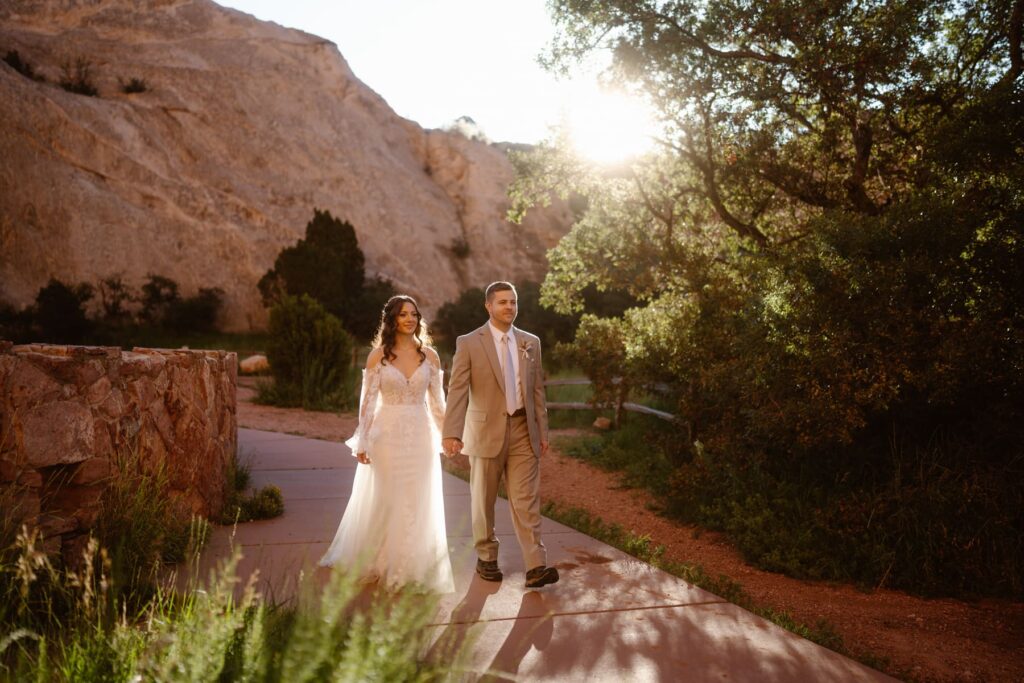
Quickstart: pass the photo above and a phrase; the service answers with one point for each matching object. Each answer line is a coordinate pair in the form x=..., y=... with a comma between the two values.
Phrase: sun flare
x=609, y=127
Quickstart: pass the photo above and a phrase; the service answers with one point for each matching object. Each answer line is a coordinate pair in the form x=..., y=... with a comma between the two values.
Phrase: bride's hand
x=361, y=457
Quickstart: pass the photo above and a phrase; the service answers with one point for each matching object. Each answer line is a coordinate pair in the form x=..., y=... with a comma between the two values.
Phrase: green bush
x=16, y=325
x=310, y=355
x=329, y=266
x=458, y=317
x=159, y=293
x=196, y=314
x=599, y=349
x=59, y=313
x=265, y=503
x=467, y=312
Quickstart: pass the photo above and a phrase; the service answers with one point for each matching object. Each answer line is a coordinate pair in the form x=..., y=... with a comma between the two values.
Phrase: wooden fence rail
x=578, y=405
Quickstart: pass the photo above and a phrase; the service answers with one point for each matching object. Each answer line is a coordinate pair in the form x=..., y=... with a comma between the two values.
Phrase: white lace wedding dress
x=393, y=528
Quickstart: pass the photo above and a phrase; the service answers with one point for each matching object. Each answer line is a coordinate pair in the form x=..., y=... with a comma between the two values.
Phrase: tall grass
x=206, y=633
x=115, y=615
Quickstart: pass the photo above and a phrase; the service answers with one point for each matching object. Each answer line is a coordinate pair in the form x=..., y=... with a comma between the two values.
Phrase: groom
x=497, y=413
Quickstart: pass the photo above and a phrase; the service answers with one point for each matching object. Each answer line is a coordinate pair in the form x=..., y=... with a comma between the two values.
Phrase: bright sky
x=436, y=60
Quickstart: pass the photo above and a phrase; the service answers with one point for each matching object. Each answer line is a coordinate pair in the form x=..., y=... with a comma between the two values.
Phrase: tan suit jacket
x=476, y=393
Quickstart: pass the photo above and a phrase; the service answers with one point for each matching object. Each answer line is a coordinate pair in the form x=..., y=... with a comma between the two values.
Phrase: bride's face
x=407, y=319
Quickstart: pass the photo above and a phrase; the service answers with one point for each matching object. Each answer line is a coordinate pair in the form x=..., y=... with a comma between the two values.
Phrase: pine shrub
x=310, y=354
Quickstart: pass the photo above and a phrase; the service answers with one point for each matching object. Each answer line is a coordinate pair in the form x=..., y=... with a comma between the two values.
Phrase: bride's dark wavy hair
x=387, y=331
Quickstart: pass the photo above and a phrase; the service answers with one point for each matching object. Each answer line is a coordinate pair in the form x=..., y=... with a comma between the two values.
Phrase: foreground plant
x=214, y=630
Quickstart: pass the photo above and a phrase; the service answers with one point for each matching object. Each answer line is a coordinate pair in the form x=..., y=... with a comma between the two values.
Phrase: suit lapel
x=484, y=334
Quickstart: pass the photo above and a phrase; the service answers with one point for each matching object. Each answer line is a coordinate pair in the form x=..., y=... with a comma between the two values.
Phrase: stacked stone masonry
x=68, y=412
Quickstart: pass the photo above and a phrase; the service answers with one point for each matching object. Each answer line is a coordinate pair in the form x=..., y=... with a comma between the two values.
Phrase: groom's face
x=503, y=306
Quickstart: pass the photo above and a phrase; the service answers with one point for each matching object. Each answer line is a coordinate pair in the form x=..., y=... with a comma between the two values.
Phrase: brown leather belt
x=519, y=413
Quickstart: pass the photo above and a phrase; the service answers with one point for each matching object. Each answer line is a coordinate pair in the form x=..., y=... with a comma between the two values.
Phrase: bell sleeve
x=359, y=442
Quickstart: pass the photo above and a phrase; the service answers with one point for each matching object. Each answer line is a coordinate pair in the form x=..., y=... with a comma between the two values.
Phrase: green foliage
x=824, y=265
x=116, y=300
x=647, y=450
x=367, y=307
x=76, y=77
x=467, y=313
x=329, y=266
x=159, y=293
x=266, y=503
x=310, y=355
x=16, y=324
x=458, y=317
x=599, y=350
x=59, y=312
x=822, y=105
x=197, y=313
x=204, y=633
x=141, y=526
x=163, y=306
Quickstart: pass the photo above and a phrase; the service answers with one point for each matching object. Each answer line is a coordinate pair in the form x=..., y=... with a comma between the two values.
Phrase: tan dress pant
x=520, y=467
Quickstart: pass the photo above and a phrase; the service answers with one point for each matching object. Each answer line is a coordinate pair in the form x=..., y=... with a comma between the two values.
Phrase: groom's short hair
x=496, y=287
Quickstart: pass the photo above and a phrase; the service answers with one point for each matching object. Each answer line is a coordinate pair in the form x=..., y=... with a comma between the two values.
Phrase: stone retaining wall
x=67, y=411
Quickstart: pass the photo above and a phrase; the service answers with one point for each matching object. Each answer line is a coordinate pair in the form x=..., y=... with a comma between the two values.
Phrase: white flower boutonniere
x=526, y=349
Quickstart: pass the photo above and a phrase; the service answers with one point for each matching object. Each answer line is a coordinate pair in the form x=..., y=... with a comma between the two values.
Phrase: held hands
x=452, y=446
x=361, y=457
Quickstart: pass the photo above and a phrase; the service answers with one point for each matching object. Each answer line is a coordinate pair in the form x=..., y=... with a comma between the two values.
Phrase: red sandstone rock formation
x=246, y=126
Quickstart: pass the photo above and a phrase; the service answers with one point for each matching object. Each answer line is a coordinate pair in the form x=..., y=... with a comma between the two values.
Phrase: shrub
x=265, y=503
x=134, y=85
x=467, y=312
x=329, y=266
x=115, y=298
x=599, y=350
x=59, y=312
x=16, y=325
x=76, y=77
x=309, y=354
x=196, y=313
x=163, y=306
x=459, y=317
x=159, y=293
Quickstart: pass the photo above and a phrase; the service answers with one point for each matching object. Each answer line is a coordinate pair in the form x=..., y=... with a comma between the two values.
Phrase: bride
x=393, y=529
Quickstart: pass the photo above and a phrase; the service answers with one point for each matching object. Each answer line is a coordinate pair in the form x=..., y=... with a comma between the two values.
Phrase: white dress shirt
x=500, y=348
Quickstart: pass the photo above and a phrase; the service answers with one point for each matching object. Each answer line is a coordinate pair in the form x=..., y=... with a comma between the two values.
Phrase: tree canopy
x=823, y=261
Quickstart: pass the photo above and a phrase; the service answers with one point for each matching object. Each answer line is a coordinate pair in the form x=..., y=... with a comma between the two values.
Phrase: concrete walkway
x=610, y=618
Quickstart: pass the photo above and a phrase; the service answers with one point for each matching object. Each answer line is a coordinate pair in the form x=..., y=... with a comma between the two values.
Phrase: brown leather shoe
x=488, y=570
x=541, y=576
